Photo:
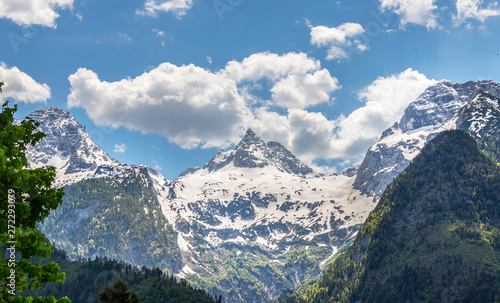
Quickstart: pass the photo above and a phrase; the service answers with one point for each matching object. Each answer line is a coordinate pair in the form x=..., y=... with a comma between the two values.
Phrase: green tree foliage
x=26, y=198
x=433, y=237
x=118, y=293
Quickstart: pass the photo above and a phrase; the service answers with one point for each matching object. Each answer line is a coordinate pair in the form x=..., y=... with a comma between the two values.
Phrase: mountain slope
x=435, y=110
x=110, y=208
x=433, y=237
x=118, y=217
x=252, y=223
x=255, y=222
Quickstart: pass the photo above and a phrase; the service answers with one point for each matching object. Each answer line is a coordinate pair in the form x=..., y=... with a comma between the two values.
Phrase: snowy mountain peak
x=66, y=146
x=253, y=152
x=471, y=106
x=441, y=101
x=250, y=138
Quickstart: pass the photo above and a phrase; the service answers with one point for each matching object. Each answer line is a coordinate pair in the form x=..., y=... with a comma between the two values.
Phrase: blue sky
x=167, y=83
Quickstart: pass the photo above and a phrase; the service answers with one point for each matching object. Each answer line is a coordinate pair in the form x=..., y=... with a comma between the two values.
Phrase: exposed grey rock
x=253, y=152
x=422, y=120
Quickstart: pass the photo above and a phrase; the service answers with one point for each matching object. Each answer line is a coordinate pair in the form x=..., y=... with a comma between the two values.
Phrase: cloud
x=312, y=136
x=339, y=40
x=420, y=12
x=159, y=33
x=270, y=66
x=189, y=105
x=120, y=148
x=298, y=80
x=125, y=37
x=195, y=107
x=177, y=7
x=33, y=12
x=21, y=87
x=385, y=101
x=158, y=167
x=471, y=9
x=301, y=91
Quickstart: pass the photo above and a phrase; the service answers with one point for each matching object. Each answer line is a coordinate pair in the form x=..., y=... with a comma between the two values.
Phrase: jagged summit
x=250, y=138
x=66, y=146
x=253, y=152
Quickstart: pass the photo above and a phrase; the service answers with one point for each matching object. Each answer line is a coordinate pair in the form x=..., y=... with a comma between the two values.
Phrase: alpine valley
x=254, y=222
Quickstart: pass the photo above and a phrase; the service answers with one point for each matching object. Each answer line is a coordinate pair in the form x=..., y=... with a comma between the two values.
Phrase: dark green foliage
x=117, y=293
x=26, y=198
x=119, y=218
x=433, y=237
x=85, y=278
x=491, y=147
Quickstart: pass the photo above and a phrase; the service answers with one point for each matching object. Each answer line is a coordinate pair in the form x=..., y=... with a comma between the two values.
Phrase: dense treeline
x=85, y=278
x=433, y=237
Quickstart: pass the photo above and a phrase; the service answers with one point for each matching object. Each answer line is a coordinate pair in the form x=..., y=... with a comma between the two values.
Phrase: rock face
x=252, y=152
x=480, y=117
x=67, y=147
x=434, y=111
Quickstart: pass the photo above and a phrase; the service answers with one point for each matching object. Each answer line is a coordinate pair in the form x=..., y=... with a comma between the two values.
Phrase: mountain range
x=253, y=222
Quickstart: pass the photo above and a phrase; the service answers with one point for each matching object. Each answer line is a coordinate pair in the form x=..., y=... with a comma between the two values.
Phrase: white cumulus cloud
x=298, y=80
x=420, y=12
x=339, y=40
x=33, y=12
x=471, y=9
x=385, y=101
x=301, y=91
x=120, y=148
x=270, y=66
x=187, y=104
x=312, y=136
x=195, y=107
x=21, y=87
x=177, y=7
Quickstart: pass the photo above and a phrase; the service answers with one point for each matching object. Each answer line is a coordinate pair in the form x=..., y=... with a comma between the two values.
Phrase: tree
x=118, y=293
x=26, y=199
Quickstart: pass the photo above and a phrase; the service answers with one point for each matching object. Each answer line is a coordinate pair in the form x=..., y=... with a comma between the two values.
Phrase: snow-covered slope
x=480, y=117
x=434, y=110
x=260, y=196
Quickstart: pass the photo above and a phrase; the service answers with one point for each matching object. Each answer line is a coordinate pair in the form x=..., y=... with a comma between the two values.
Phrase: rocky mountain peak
x=253, y=152
x=445, y=105
x=250, y=140
x=66, y=145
